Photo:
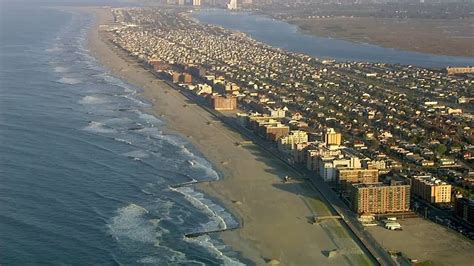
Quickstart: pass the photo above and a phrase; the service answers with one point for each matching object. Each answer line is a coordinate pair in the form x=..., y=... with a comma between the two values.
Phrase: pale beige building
x=289, y=142
x=331, y=137
x=431, y=189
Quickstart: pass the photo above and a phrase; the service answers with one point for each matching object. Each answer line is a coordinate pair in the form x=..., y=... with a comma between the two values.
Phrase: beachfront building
x=288, y=143
x=328, y=166
x=366, y=176
x=201, y=89
x=223, y=103
x=314, y=153
x=274, y=131
x=464, y=210
x=331, y=137
x=379, y=198
x=430, y=189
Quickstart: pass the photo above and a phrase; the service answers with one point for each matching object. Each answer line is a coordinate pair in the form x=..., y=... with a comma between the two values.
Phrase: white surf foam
x=200, y=163
x=92, y=99
x=97, y=127
x=197, y=200
x=206, y=242
x=131, y=223
x=169, y=256
x=151, y=119
x=123, y=140
x=140, y=154
x=60, y=69
x=55, y=49
x=69, y=81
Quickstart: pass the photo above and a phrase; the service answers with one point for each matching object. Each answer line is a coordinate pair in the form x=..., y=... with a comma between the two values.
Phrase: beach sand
x=274, y=215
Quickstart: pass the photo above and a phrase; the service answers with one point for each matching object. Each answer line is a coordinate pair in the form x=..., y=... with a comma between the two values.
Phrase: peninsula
x=286, y=129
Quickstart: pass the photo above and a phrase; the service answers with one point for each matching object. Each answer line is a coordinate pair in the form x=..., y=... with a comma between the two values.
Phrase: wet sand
x=274, y=215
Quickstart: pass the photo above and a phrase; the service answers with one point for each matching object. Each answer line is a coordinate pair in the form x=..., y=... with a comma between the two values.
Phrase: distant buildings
x=182, y=78
x=379, y=198
x=233, y=5
x=431, y=190
x=278, y=113
x=459, y=70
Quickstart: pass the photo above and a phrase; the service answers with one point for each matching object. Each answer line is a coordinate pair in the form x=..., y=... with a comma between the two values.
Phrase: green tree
x=440, y=149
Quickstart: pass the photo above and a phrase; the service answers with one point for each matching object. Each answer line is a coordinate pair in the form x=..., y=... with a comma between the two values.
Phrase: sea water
x=86, y=174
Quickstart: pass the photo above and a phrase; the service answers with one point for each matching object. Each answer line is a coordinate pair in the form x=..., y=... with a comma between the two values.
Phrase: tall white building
x=233, y=5
x=196, y=2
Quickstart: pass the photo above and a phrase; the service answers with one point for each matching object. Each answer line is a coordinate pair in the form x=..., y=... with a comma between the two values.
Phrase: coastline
x=251, y=187
x=357, y=30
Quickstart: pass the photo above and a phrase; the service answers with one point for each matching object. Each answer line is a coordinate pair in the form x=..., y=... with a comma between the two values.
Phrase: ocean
x=87, y=175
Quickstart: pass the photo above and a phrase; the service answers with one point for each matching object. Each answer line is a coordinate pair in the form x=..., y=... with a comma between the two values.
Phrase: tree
x=440, y=149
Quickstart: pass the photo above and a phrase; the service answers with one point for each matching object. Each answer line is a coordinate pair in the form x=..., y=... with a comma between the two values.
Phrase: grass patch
x=428, y=263
x=318, y=206
x=361, y=260
x=340, y=232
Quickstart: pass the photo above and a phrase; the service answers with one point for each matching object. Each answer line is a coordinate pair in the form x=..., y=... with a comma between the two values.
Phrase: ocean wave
x=69, y=81
x=123, y=140
x=172, y=256
x=200, y=163
x=92, y=99
x=137, y=154
x=216, y=214
x=97, y=127
x=54, y=49
x=207, y=242
x=150, y=119
x=131, y=223
x=60, y=69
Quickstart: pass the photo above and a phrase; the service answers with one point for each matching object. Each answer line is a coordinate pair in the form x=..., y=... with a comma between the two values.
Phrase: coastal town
x=391, y=141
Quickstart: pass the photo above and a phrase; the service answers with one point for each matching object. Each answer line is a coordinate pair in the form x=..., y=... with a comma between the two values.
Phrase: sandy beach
x=274, y=215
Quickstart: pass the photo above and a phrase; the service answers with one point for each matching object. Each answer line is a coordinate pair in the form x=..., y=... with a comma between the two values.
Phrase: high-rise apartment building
x=431, y=189
x=464, y=209
x=294, y=137
x=331, y=137
x=367, y=176
x=379, y=198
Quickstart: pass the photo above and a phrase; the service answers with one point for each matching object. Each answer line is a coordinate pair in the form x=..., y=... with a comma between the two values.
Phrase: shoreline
x=357, y=35
x=251, y=187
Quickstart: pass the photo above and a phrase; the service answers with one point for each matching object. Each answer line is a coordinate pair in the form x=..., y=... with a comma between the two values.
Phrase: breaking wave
x=97, y=127
x=69, y=81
